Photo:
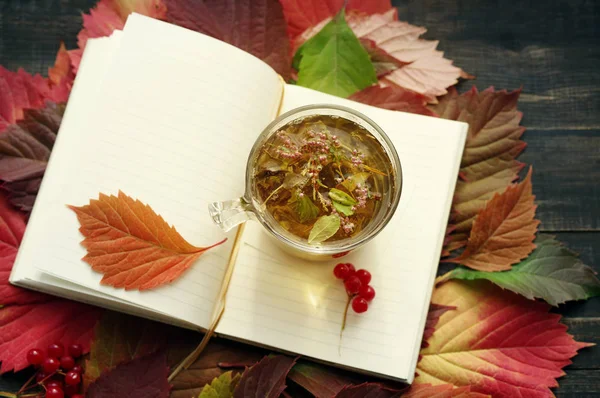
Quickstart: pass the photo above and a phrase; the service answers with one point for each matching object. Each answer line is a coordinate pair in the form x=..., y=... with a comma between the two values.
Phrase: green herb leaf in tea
x=324, y=228
x=344, y=209
x=306, y=209
x=341, y=197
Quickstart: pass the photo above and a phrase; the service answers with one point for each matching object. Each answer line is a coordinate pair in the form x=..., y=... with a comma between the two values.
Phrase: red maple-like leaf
x=319, y=380
x=28, y=326
x=132, y=245
x=266, y=379
x=496, y=342
x=441, y=391
x=144, y=377
x=12, y=228
x=394, y=98
x=368, y=390
x=257, y=26
x=503, y=231
x=302, y=15
x=110, y=15
x=433, y=316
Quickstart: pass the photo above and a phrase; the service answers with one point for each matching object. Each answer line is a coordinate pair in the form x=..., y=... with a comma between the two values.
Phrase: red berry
x=351, y=268
x=72, y=390
x=54, y=392
x=352, y=285
x=75, y=350
x=364, y=276
x=77, y=369
x=41, y=375
x=56, y=350
x=367, y=292
x=359, y=305
x=50, y=365
x=67, y=363
x=341, y=271
x=35, y=356
x=54, y=383
x=72, y=378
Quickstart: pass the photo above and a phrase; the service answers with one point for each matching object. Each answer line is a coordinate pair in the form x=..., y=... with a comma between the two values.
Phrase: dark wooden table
x=551, y=48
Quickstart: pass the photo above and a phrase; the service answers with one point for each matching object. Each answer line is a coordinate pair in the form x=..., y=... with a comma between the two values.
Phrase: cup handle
x=230, y=213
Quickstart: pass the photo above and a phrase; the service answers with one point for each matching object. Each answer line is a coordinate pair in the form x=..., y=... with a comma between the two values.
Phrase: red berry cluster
x=58, y=373
x=356, y=284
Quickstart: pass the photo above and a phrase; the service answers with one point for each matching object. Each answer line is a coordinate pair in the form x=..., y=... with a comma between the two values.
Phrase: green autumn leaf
x=334, y=61
x=306, y=209
x=221, y=387
x=344, y=209
x=341, y=197
x=324, y=228
x=551, y=272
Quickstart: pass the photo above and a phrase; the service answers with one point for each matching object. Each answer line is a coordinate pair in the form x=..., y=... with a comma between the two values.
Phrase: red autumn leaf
x=319, y=380
x=394, y=98
x=20, y=91
x=110, y=15
x=302, y=15
x=132, y=245
x=441, y=391
x=257, y=27
x=368, y=390
x=212, y=363
x=144, y=377
x=12, y=228
x=496, y=342
x=489, y=162
x=23, y=327
x=433, y=316
x=266, y=379
x=120, y=338
x=61, y=74
x=22, y=194
x=503, y=231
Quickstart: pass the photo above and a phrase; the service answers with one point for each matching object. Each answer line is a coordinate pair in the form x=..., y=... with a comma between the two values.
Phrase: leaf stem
x=344, y=323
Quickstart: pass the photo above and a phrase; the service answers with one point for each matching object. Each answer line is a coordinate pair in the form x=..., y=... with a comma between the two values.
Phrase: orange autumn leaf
x=503, y=231
x=132, y=245
x=441, y=391
x=496, y=342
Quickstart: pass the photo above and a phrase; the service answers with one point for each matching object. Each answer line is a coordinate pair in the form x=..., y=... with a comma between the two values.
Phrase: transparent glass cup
x=228, y=214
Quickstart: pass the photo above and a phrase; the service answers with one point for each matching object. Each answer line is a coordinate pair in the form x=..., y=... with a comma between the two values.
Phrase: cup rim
x=324, y=249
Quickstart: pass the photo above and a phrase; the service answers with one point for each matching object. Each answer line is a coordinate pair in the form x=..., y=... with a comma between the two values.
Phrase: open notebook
x=168, y=116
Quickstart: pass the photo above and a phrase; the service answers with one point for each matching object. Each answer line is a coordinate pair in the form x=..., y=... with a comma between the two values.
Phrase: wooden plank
x=549, y=48
x=565, y=178
x=579, y=384
x=31, y=31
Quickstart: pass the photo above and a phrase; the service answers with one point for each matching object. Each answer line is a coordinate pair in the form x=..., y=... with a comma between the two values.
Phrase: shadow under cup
x=251, y=207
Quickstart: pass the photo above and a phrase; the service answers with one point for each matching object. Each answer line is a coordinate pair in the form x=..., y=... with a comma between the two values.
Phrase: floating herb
x=341, y=197
x=324, y=228
x=307, y=211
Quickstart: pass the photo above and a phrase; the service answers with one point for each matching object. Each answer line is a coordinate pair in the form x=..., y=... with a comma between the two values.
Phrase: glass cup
x=229, y=214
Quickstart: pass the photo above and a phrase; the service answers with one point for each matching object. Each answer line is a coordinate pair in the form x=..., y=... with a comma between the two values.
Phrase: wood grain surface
x=550, y=48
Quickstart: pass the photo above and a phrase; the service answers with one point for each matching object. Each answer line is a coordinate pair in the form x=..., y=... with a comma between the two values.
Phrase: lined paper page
x=293, y=305
x=172, y=127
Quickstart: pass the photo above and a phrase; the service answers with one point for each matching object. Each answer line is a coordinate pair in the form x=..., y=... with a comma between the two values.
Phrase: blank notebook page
x=172, y=127
x=294, y=305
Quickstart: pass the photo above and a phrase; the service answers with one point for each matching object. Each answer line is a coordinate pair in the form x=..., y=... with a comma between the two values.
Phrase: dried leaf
x=334, y=61
x=189, y=382
x=266, y=379
x=441, y=391
x=551, y=272
x=61, y=74
x=257, y=26
x=22, y=194
x=221, y=387
x=120, y=338
x=302, y=15
x=496, y=342
x=144, y=377
x=433, y=317
x=368, y=390
x=394, y=98
x=319, y=380
x=324, y=228
x=503, y=231
x=28, y=326
x=132, y=245
x=12, y=228
x=353, y=181
x=293, y=180
x=488, y=164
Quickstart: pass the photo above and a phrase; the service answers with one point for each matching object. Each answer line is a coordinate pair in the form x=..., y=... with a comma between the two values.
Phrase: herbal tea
x=322, y=178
